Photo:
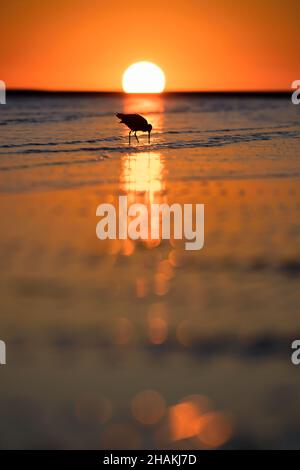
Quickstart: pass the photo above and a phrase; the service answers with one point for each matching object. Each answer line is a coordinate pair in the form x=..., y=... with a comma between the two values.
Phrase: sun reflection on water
x=143, y=177
x=143, y=181
x=150, y=106
x=192, y=422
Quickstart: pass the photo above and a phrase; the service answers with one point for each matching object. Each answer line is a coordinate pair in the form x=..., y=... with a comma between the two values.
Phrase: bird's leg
x=136, y=136
x=148, y=137
x=129, y=136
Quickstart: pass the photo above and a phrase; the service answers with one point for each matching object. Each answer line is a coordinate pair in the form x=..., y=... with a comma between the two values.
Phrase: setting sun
x=143, y=77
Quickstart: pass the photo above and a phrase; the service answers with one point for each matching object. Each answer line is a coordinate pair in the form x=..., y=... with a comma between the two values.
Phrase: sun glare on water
x=143, y=77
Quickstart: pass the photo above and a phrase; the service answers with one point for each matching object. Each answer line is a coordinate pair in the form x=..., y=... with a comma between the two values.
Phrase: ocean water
x=122, y=344
x=62, y=133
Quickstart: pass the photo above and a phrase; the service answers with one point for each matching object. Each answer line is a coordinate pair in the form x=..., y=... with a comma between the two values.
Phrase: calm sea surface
x=122, y=344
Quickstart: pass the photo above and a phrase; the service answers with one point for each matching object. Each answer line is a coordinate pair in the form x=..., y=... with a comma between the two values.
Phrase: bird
x=135, y=122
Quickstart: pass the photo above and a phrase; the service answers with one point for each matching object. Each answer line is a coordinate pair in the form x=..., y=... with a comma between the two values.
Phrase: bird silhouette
x=135, y=122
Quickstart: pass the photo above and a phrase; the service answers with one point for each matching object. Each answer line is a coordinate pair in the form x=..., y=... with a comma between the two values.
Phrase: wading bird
x=135, y=122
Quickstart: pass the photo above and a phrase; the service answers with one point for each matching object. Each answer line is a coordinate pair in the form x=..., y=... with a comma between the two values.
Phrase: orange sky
x=201, y=45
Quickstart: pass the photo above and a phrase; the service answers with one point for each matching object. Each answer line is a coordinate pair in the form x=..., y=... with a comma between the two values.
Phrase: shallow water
x=91, y=327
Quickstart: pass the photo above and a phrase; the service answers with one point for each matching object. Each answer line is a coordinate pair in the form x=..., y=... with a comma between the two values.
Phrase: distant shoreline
x=225, y=94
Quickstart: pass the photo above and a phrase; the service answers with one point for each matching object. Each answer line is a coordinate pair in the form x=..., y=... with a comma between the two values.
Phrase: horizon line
x=167, y=92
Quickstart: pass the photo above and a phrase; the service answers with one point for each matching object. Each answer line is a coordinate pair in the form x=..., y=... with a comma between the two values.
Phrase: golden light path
x=143, y=77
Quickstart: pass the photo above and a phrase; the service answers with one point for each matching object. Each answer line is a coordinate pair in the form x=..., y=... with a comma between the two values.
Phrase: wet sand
x=122, y=344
